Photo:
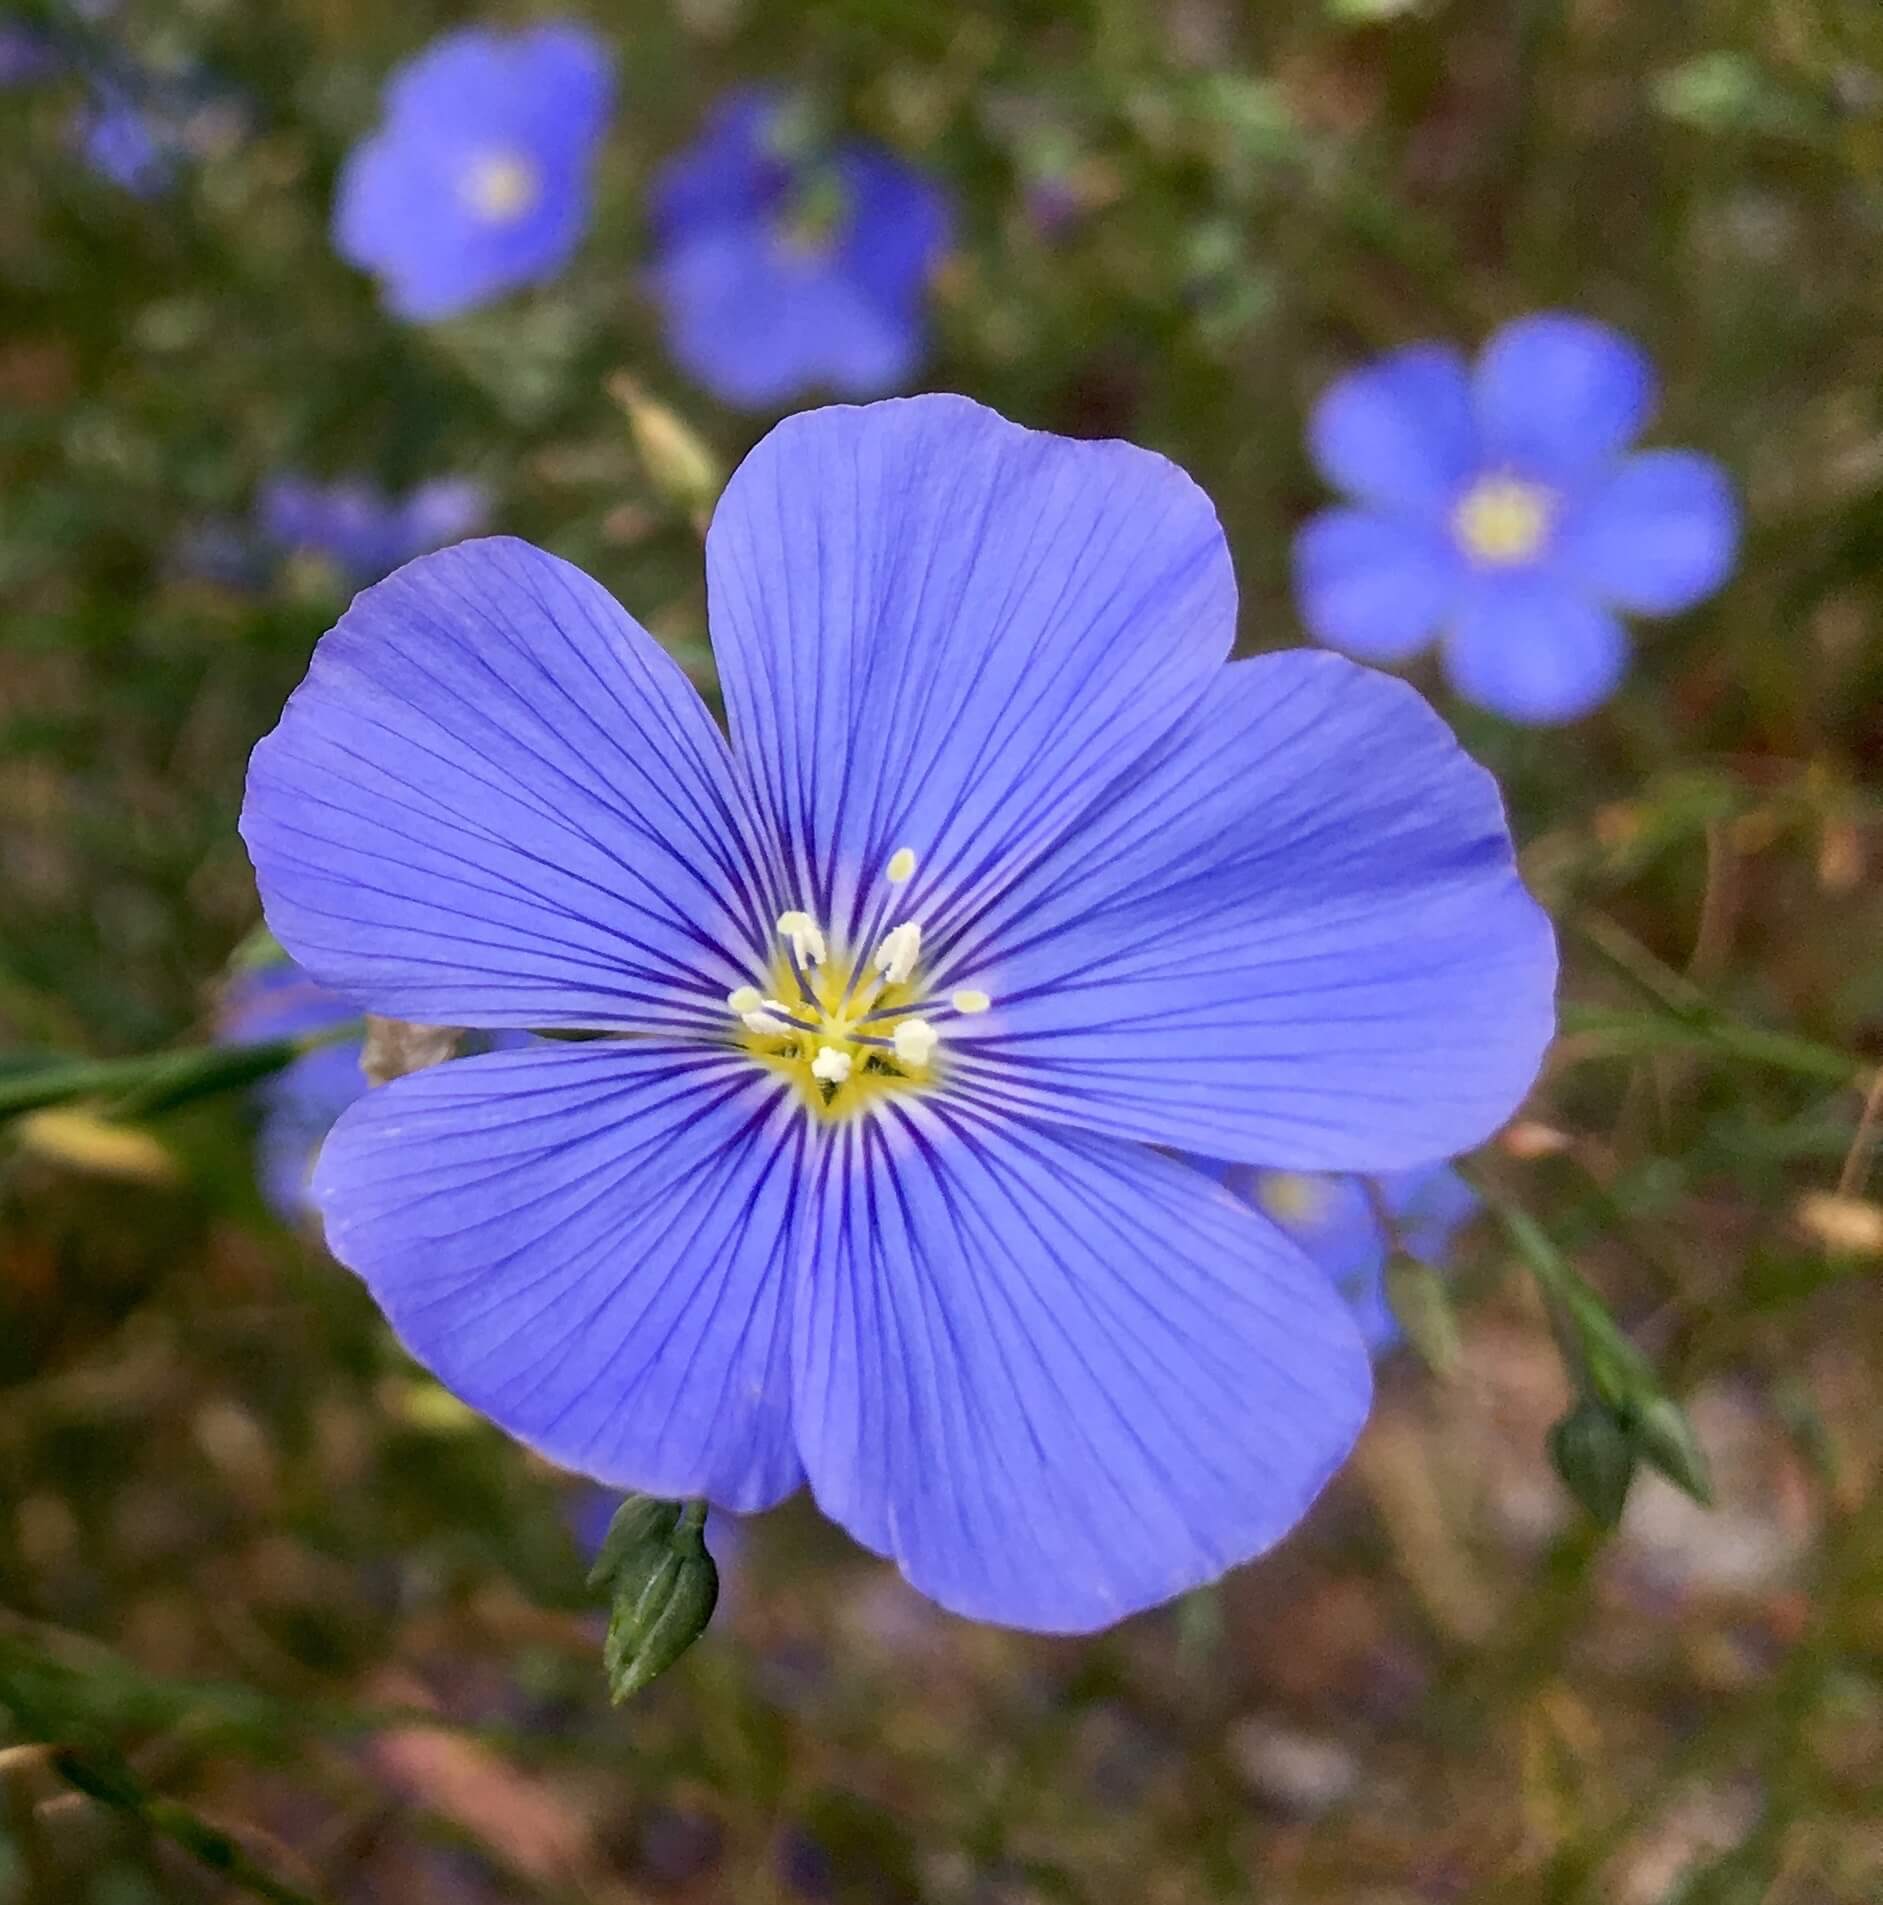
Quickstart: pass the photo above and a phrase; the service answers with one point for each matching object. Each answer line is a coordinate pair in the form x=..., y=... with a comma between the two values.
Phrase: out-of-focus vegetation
x=279, y=1619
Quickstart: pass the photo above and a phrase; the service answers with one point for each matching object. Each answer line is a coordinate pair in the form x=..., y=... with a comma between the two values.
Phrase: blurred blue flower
x=477, y=181
x=361, y=530
x=298, y=1105
x=1497, y=508
x=1007, y=881
x=124, y=141
x=1351, y=1227
x=26, y=54
x=785, y=263
x=33, y=49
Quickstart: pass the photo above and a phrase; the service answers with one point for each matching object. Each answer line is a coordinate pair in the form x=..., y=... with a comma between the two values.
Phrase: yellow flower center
x=502, y=186
x=1292, y=1198
x=848, y=1031
x=1503, y=519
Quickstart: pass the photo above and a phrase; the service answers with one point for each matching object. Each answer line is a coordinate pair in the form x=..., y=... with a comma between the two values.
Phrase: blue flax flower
x=478, y=179
x=1498, y=508
x=786, y=263
x=1004, y=879
x=361, y=530
x=1351, y=1227
x=299, y=1104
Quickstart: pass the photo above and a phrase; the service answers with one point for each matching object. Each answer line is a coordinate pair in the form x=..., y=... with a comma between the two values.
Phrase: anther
x=744, y=999
x=902, y=866
x=896, y=957
x=915, y=1042
x=807, y=942
x=766, y=1020
x=970, y=1000
x=831, y=1065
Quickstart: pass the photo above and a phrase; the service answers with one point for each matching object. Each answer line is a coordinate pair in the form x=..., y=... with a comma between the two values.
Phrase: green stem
x=157, y=1081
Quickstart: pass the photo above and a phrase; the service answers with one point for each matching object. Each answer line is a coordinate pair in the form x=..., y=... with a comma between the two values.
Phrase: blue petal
x=1427, y=1206
x=1559, y=396
x=445, y=510
x=1296, y=938
x=1399, y=435
x=728, y=174
x=1373, y=587
x=588, y=1244
x=496, y=802
x=1661, y=533
x=759, y=316
x=554, y=82
x=900, y=223
x=1058, y=1379
x=940, y=631
x=758, y=323
x=1534, y=649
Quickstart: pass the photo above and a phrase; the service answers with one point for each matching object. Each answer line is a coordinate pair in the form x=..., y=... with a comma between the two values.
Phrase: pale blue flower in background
x=1500, y=511
x=786, y=262
x=478, y=181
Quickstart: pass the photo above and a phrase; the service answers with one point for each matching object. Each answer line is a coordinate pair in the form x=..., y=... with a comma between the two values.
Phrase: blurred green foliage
x=275, y=1613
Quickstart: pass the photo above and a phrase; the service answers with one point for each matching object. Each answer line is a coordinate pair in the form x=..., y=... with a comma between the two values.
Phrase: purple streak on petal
x=1373, y=587
x=1055, y=1378
x=939, y=631
x=1296, y=936
x=1398, y=435
x=1536, y=648
x=1658, y=536
x=495, y=801
x=588, y=1243
x=1559, y=396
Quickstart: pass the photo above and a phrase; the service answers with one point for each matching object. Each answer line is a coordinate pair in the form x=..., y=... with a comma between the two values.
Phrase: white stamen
x=915, y=1041
x=807, y=942
x=970, y=1000
x=744, y=999
x=896, y=957
x=831, y=1065
x=769, y=1021
x=902, y=866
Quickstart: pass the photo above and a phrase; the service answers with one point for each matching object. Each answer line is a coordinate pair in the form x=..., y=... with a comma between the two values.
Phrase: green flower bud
x=1662, y=1435
x=1595, y=1456
x=662, y=1587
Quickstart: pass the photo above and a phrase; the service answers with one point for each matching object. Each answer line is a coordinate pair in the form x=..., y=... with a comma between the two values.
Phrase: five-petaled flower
x=1351, y=1226
x=1005, y=885
x=478, y=180
x=1497, y=508
x=787, y=263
